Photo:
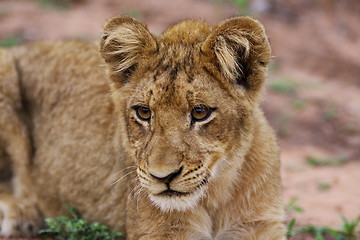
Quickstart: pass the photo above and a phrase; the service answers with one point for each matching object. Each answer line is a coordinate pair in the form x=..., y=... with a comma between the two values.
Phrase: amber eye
x=200, y=113
x=143, y=113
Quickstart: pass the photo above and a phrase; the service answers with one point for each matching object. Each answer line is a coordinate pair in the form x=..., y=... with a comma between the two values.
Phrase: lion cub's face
x=185, y=104
x=181, y=129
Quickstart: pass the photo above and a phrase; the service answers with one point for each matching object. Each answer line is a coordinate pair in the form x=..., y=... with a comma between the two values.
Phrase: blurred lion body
x=70, y=125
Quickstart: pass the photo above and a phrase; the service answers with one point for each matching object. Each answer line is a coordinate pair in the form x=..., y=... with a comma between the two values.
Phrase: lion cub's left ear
x=125, y=40
x=241, y=51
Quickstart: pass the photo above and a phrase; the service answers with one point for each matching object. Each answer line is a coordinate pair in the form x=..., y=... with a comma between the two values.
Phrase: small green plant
x=282, y=124
x=291, y=228
x=292, y=206
x=54, y=4
x=350, y=228
x=274, y=66
x=284, y=86
x=134, y=13
x=318, y=161
x=10, y=41
x=243, y=5
x=323, y=186
x=298, y=104
x=319, y=232
x=347, y=231
x=330, y=112
x=75, y=228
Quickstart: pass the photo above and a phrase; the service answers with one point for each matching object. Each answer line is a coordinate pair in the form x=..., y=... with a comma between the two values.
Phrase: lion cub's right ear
x=124, y=41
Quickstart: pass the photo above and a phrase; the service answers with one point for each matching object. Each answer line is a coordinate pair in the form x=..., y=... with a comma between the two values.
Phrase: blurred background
x=313, y=97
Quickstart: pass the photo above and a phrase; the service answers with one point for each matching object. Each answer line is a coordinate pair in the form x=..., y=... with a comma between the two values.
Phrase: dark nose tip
x=169, y=177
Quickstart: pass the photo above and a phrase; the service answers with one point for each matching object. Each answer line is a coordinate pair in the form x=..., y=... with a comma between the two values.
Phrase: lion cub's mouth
x=172, y=193
x=170, y=200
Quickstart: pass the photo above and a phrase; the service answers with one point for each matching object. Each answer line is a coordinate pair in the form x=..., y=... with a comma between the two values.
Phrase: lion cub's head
x=185, y=101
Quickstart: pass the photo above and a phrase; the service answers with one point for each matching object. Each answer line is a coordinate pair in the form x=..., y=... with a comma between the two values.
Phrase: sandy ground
x=314, y=86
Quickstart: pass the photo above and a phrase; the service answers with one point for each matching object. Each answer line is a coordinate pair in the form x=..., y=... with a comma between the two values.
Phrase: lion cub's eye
x=200, y=113
x=143, y=113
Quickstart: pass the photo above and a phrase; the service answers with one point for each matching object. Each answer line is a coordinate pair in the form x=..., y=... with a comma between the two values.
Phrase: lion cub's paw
x=18, y=218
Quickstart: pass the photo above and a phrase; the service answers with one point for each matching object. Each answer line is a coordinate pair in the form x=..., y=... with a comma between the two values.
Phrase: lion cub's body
x=70, y=122
x=71, y=128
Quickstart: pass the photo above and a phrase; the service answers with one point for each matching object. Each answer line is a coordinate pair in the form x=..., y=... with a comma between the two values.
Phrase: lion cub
x=160, y=137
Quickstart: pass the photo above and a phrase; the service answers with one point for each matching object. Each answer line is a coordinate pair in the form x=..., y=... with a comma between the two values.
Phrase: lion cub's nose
x=168, y=178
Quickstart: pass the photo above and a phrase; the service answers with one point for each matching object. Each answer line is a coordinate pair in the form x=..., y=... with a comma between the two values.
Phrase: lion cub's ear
x=241, y=51
x=124, y=41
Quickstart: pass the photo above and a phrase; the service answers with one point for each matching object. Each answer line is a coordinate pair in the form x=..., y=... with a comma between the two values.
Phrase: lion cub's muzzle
x=180, y=189
x=167, y=180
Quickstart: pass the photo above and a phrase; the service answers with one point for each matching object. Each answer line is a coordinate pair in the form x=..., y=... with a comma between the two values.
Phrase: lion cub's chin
x=169, y=203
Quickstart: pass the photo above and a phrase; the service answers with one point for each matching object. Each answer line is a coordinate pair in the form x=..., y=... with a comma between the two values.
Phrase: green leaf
x=54, y=4
x=291, y=206
x=316, y=161
x=75, y=228
x=283, y=86
x=74, y=213
x=319, y=234
x=10, y=41
x=290, y=229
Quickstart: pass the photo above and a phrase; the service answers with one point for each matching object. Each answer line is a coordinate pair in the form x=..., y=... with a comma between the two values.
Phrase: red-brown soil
x=316, y=48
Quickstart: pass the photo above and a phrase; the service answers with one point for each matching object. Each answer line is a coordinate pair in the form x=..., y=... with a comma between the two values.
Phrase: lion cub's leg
x=18, y=214
x=18, y=217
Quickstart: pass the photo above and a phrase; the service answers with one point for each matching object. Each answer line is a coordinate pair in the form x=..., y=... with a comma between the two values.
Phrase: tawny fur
x=70, y=129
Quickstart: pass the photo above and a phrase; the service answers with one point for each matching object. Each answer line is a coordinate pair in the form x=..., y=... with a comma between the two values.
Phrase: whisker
x=134, y=190
x=140, y=194
x=124, y=170
x=136, y=179
x=122, y=177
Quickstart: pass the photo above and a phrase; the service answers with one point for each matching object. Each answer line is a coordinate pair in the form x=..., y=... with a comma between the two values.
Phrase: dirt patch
x=314, y=84
x=321, y=37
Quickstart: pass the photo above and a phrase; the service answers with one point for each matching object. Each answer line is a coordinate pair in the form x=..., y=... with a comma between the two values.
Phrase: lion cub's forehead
x=176, y=76
x=179, y=86
x=177, y=92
